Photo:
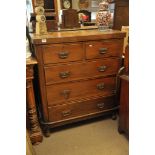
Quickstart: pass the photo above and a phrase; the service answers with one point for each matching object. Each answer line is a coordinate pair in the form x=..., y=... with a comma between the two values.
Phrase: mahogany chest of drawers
x=77, y=74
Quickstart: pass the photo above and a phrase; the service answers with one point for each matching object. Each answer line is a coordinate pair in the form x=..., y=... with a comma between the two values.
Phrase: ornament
x=41, y=27
x=103, y=16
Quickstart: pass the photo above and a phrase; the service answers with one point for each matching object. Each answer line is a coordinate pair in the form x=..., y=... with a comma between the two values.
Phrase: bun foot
x=114, y=116
x=120, y=130
x=47, y=132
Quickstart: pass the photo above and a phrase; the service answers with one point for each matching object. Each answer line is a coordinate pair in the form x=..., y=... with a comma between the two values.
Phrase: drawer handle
x=66, y=93
x=102, y=68
x=64, y=74
x=66, y=113
x=100, y=86
x=63, y=55
x=100, y=105
x=103, y=50
x=113, y=91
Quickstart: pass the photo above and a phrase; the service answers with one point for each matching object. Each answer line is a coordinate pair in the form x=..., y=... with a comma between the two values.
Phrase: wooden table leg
x=35, y=131
x=32, y=122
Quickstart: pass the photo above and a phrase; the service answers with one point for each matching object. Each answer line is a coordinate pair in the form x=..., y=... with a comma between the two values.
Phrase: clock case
x=62, y=4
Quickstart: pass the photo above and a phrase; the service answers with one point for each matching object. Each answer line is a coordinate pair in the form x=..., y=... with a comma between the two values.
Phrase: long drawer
x=57, y=93
x=73, y=110
x=80, y=70
x=104, y=48
x=56, y=53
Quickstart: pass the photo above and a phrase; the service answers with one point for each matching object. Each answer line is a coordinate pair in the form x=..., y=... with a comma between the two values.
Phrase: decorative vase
x=103, y=16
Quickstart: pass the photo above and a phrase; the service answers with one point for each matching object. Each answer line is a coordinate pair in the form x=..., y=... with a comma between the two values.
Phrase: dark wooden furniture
x=51, y=14
x=124, y=106
x=70, y=19
x=32, y=119
x=124, y=97
x=77, y=74
x=126, y=60
x=121, y=15
x=49, y=5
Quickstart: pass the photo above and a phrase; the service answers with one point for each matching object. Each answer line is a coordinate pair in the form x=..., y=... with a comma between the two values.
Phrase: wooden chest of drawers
x=77, y=74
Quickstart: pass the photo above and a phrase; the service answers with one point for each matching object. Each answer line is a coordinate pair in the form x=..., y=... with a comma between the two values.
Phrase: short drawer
x=55, y=53
x=57, y=93
x=84, y=108
x=104, y=48
x=80, y=70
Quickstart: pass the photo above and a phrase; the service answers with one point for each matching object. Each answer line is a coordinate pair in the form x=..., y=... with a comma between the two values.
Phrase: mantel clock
x=66, y=4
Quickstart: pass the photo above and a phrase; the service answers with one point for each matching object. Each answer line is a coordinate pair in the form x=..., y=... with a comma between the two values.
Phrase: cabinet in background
x=51, y=13
x=121, y=15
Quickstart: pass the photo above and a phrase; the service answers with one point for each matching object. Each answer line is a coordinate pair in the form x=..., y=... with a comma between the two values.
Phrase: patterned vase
x=103, y=16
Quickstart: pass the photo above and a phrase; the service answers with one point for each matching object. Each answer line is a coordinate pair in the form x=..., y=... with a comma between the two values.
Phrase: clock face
x=66, y=4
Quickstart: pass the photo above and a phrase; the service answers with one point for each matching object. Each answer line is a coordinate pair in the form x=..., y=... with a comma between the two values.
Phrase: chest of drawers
x=77, y=74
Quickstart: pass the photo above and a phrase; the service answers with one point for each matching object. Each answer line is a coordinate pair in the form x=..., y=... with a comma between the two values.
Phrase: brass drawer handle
x=66, y=113
x=100, y=105
x=63, y=55
x=100, y=86
x=64, y=74
x=102, y=68
x=66, y=93
x=103, y=50
x=114, y=91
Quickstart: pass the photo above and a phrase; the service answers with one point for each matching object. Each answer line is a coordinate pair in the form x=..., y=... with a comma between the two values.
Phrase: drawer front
x=75, y=71
x=107, y=48
x=72, y=110
x=57, y=93
x=56, y=53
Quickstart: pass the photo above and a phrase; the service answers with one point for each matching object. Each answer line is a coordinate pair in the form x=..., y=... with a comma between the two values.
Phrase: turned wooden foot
x=47, y=132
x=32, y=123
x=114, y=116
x=120, y=130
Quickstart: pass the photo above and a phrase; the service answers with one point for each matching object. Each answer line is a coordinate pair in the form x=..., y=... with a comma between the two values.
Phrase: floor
x=95, y=137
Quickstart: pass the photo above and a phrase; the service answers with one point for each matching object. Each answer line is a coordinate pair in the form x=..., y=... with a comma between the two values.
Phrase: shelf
x=51, y=14
x=75, y=29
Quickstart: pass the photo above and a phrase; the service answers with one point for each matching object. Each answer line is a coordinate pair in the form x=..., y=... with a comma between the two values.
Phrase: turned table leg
x=35, y=131
x=32, y=118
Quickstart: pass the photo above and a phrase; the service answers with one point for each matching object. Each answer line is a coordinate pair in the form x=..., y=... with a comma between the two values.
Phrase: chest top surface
x=74, y=36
